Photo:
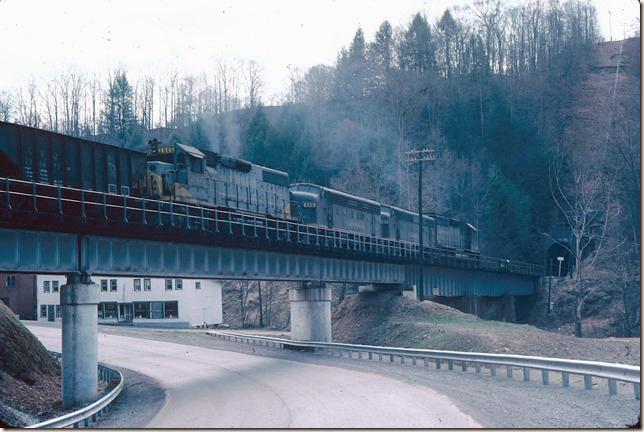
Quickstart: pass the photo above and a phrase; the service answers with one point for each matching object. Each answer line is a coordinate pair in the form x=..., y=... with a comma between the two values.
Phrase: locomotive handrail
x=198, y=217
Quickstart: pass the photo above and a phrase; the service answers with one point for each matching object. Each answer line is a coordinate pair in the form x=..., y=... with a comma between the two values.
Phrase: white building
x=141, y=301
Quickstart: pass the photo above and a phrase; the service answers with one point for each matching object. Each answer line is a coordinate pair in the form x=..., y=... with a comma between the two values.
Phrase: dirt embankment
x=240, y=298
x=30, y=379
x=389, y=320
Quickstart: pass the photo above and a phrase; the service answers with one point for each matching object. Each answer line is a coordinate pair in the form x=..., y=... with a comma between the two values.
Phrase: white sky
x=41, y=38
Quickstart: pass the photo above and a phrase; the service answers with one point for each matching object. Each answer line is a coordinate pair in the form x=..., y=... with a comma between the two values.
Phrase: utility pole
x=420, y=156
x=549, y=284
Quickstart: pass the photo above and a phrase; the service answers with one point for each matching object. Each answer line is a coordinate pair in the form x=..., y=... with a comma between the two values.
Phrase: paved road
x=221, y=389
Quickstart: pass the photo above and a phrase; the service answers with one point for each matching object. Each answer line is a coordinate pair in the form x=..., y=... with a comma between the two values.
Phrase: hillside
x=388, y=320
x=30, y=379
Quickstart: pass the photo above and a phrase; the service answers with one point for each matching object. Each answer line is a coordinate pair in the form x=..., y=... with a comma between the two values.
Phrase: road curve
x=207, y=388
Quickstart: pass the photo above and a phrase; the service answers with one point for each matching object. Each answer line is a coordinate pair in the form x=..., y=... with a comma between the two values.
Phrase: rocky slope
x=30, y=379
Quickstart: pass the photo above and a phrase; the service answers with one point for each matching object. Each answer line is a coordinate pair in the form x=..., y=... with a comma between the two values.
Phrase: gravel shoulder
x=139, y=402
x=494, y=402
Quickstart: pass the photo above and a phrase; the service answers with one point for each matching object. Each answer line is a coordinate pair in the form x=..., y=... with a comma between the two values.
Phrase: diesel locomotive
x=184, y=174
x=318, y=205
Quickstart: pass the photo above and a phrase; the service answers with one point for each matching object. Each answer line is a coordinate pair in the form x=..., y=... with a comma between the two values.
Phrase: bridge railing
x=82, y=205
x=611, y=372
x=91, y=413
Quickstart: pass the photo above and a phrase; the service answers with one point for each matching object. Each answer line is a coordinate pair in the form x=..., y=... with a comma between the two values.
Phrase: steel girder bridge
x=54, y=229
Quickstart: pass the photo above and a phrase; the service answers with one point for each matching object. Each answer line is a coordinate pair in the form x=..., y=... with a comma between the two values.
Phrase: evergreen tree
x=118, y=112
x=257, y=135
x=507, y=219
x=198, y=137
x=417, y=48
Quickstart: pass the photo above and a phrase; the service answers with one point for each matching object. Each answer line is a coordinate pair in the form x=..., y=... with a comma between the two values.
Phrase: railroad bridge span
x=53, y=229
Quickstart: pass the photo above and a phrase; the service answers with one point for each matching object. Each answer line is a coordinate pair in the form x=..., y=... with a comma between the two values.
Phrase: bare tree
x=26, y=105
x=254, y=84
x=584, y=195
x=5, y=106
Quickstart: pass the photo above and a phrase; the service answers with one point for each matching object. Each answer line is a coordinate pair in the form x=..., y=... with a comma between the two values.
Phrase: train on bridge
x=184, y=174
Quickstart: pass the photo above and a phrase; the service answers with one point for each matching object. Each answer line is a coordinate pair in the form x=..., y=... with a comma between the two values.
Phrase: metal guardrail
x=90, y=413
x=612, y=372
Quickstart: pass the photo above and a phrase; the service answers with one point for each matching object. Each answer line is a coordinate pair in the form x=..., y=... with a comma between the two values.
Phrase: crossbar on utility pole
x=420, y=156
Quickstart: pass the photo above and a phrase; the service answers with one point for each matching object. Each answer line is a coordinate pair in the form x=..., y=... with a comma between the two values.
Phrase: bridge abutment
x=311, y=312
x=79, y=298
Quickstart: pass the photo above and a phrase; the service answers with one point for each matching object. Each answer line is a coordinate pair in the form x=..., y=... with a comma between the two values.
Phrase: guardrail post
x=425, y=362
x=493, y=370
x=464, y=366
x=379, y=357
x=526, y=374
x=86, y=423
x=565, y=378
x=509, y=371
x=544, y=376
x=413, y=361
x=402, y=359
x=588, y=382
x=391, y=358
x=612, y=386
x=438, y=363
x=636, y=388
x=450, y=364
x=370, y=356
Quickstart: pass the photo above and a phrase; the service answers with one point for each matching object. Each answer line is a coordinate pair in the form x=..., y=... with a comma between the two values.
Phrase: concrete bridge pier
x=79, y=298
x=311, y=312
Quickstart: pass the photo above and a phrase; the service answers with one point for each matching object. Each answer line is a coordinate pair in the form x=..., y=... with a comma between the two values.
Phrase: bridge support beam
x=78, y=298
x=311, y=312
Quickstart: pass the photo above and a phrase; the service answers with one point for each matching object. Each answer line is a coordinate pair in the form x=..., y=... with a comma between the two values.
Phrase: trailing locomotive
x=184, y=174
x=331, y=208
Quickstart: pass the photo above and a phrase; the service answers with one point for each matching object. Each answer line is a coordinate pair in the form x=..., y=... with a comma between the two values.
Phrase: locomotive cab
x=385, y=221
x=306, y=198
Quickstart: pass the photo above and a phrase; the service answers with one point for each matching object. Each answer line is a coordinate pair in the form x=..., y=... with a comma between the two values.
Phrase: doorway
x=126, y=312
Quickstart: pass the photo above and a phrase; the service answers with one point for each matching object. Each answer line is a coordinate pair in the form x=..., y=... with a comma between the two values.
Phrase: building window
x=54, y=286
x=112, y=285
x=197, y=285
x=104, y=285
x=137, y=284
x=168, y=284
x=107, y=310
x=178, y=284
x=45, y=286
x=141, y=309
x=43, y=311
x=59, y=311
x=11, y=280
x=147, y=286
x=171, y=309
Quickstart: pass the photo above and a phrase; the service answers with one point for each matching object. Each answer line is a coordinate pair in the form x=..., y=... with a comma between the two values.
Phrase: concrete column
x=509, y=311
x=78, y=298
x=311, y=312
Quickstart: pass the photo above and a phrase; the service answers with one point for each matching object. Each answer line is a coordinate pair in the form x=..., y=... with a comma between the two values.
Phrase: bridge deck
x=38, y=206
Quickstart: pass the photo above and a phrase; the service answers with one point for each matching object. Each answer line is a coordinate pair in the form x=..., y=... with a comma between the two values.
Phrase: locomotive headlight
x=309, y=204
